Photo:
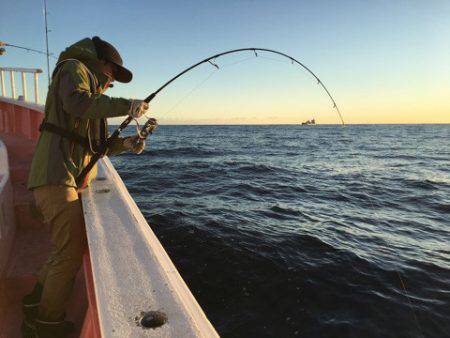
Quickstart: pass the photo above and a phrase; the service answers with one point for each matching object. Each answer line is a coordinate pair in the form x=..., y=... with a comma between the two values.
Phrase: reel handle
x=147, y=129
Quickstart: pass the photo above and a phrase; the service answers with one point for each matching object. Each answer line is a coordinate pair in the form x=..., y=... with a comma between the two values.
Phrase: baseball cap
x=106, y=51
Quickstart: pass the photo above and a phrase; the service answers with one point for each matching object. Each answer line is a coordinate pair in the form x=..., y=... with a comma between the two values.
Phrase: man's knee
x=66, y=265
x=68, y=230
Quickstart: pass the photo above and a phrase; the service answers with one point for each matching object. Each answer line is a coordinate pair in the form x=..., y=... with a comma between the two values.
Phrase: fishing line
x=138, y=127
x=199, y=84
x=273, y=59
x=369, y=198
x=226, y=65
x=211, y=61
x=151, y=124
x=277, y=60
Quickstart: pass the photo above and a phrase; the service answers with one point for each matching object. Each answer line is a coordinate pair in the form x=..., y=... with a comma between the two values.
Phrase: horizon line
x=294, y=124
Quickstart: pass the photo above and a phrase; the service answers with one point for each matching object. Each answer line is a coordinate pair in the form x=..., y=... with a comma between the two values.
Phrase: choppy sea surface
x=308, y=231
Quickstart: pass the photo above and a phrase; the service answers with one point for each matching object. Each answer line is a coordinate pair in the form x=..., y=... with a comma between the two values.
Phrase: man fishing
x=74, y=129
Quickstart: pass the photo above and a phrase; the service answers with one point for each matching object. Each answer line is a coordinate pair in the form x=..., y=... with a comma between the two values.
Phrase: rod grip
x=150, y=97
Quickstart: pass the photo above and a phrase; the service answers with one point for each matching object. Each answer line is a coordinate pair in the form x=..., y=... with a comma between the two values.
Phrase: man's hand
x=138, y=108
x=134, y=144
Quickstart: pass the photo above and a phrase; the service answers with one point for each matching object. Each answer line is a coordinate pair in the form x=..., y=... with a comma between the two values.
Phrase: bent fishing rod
x=151, y=124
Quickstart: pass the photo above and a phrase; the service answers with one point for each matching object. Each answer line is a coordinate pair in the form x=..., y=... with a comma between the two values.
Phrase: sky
x=383, y=61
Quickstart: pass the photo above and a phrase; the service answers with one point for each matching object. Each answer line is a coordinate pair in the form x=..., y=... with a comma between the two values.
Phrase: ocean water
x=313, y=231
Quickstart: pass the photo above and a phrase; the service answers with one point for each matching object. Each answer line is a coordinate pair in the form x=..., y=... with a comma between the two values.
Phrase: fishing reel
x=148, y=128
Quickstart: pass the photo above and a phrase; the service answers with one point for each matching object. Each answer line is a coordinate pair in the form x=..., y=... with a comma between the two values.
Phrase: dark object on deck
x=151, y=319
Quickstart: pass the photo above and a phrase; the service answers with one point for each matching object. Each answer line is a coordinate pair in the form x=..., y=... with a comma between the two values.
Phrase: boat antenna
x=46, y=40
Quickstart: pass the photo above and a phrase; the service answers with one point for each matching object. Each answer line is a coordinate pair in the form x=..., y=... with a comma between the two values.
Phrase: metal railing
x=23, y=72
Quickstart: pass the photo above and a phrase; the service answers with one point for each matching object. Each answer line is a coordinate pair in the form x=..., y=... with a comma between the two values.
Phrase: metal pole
x=36, y=88
x=46, y=41
x=24, y=86
x=2, y=76
x=13, y=86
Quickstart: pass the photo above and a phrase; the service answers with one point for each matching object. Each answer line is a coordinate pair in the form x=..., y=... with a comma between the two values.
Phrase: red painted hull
x=29, y=244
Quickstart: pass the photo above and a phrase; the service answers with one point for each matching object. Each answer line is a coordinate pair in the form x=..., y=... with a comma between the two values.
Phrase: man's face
x=107, y=68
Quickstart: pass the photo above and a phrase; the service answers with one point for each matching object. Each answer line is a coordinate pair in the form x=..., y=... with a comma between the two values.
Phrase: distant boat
x=309, y=122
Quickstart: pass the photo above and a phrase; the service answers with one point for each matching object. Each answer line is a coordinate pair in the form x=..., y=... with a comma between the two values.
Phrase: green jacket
x=74, y=102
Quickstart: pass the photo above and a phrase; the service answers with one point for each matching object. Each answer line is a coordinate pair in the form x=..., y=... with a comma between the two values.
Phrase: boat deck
x=30, y=248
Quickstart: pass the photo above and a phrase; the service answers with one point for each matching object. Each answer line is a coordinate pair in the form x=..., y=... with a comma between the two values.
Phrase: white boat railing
x=132, y=272
x=23, y=72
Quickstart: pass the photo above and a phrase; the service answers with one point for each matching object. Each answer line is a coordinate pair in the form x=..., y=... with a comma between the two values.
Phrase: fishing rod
x=151, y=124
x=26, y=48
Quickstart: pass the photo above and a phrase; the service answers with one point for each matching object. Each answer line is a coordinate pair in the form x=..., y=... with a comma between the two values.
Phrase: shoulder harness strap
x=72, y=136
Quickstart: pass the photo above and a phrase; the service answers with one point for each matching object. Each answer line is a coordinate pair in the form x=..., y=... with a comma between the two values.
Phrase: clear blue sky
x=384, y=61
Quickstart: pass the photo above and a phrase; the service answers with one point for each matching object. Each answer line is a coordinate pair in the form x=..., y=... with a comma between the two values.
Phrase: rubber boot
x=53, y=329
x=28, y=328
x=30, y=307
x=31, y=301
